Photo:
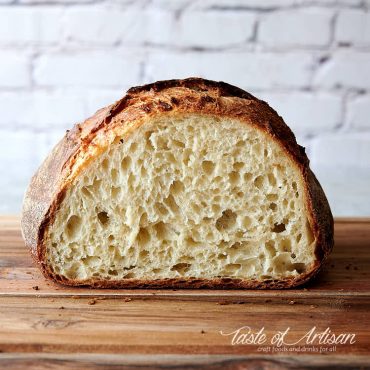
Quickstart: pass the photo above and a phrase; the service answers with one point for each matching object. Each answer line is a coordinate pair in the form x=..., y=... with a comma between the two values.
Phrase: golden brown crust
x=193, y=95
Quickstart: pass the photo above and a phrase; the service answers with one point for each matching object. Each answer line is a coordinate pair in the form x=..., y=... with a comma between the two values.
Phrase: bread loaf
x=182, y=183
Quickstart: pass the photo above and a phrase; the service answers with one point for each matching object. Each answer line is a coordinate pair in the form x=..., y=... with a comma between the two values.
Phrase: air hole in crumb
x=105, y=164
x=286, y=245
x=298, y=238
x=181, y=268
x=247, y=176
x=247, y=222
x=271, y=197
x=161, y=230
x=114, y=175
x=125, y=164
x=238, y=166
x=273, y=206
x=143, y=219
x=186, y=156
x=170, y=158
x=278, y=228
x=91, y=261
x=144, y=254
x=178, y=143
x=208, y=167
x=226, y=221
x=86, y=192
x=215, y=208
x=103, y=217
x=191, y=242
x=270, y=247
x=73, y=226
x=293, y=255
x=171, y=203
x=258, y=182
x=234, y=177
x=115, y=192
x=232, y=268
x=161, y=209
x=257, y=149
x=299, y=267
x=176, y=187
x=129, y=267
x=133, y=147
x=272, y=179
x=143, y=236
x=196, y=208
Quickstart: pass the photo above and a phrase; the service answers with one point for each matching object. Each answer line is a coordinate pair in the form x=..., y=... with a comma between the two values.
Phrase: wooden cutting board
x=46, y=325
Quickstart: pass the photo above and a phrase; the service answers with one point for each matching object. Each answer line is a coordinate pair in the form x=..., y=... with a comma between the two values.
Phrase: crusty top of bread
x=193, y=95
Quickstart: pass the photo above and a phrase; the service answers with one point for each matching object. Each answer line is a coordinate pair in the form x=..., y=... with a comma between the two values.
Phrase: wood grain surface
x=45, y=325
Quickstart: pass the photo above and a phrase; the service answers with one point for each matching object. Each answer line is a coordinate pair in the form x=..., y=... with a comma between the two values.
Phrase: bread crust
x=193, y=95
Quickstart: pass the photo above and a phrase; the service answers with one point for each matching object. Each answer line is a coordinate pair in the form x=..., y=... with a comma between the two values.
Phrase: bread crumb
x=292, y=302
x=61, y=307
x=91, y=302
x=127, y=299
x=202, y=331
x=313, y=306
x=223, y=303
x=35, y=287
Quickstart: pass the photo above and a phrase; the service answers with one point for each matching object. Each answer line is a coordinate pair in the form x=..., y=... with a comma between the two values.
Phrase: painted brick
x=97, y=99
x=248, y=4
x=345, y=69
x=359, y=112
x=149, y=26
x=14, y=70
x=215, y=28
x=99, y=69
x=42, y=110
x=95, y=25
x=308, y=27
x=353, y=27
x=20, y=25
x=253, y=71
x=307, y=113
x=344, y=149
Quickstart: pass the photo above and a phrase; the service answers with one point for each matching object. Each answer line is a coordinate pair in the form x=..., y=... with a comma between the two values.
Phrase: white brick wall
x=296, y=28
x=353, y=27
x=257, y=70
x=310, y=59
x=14, y=70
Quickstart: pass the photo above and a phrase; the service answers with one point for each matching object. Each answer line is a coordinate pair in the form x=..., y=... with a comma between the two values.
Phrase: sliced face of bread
x=183, y=183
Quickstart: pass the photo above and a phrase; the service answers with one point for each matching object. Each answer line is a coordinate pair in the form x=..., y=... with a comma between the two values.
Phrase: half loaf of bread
x=181, y=183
